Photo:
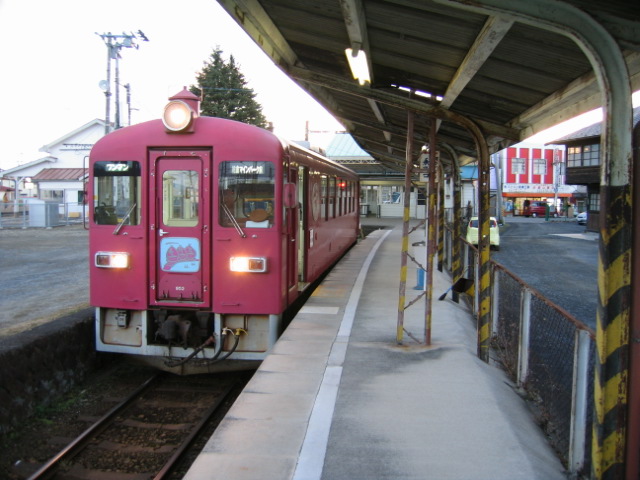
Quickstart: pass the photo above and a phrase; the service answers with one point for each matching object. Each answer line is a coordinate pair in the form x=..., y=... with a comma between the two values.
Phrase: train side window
x=332, y=197
x=342, y=197
x=117, y=193
x=246, y=194
x=325, y=192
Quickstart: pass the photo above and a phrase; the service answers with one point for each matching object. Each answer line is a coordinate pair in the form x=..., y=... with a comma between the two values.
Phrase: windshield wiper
x=233, y=220
x=124, y=219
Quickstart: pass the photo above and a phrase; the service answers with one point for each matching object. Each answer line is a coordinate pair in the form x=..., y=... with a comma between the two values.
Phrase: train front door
x=180, y=212
x=293, y=240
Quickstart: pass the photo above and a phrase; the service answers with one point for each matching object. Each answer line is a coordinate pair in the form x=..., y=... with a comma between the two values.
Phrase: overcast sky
x=52, y=62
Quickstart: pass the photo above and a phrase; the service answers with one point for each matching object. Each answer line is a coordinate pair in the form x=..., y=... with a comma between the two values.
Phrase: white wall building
x=59, y=175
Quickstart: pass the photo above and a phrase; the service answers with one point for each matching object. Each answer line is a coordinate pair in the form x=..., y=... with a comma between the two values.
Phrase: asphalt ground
x=44, y=275
x=558, y=258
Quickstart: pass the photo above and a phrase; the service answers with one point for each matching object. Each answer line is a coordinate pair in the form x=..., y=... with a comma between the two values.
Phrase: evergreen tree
x=225, y=92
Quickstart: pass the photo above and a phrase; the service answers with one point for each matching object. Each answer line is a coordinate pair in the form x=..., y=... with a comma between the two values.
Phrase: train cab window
x=180, y=196
x=117, y=193
x=246, y=194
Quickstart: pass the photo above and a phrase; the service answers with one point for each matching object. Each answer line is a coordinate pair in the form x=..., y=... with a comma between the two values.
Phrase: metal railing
x=548, y=353
x=41, y=214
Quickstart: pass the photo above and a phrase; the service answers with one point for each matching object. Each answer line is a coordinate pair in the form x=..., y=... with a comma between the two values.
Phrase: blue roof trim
x=343, y=145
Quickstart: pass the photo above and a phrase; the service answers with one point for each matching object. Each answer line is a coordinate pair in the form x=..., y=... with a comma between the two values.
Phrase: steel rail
x=49, y=468
x=177, y=455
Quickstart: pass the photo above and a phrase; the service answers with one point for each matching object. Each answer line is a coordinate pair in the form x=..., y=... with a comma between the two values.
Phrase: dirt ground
x=44, y=273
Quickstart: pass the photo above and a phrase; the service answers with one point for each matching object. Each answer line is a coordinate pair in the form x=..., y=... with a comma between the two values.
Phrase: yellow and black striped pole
x=456, y=265
x=484, y=283
x=612, y=333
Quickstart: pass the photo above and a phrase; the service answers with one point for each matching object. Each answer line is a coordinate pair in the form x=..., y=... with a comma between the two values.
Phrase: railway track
x=147, y=433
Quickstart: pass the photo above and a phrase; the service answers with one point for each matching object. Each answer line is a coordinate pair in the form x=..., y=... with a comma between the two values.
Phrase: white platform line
x=320, y=310
x=314, y=446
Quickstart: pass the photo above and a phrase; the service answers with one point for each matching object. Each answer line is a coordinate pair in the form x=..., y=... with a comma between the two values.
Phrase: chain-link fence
x=547, y=352
x=33, y=213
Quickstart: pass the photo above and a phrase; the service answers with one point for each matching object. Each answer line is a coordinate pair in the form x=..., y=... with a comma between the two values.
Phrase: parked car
x=582, y=218
x=494, y=232
x=539, y=209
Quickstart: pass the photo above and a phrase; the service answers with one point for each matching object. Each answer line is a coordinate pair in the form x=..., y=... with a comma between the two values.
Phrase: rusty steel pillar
x=405, y=228
x=440, y=215
x=633, y=421
x=484, y=267
x=432, y=219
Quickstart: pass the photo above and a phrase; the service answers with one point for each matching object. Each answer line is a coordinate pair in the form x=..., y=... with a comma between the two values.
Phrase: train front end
x=186, y=241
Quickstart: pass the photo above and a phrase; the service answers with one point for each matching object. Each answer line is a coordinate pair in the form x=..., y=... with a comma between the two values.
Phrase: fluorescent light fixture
x=359, y=66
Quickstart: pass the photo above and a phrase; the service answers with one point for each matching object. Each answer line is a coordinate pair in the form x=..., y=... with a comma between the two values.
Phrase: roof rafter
x=398, y=101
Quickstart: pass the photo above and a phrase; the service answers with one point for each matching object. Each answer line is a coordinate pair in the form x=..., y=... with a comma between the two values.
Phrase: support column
x=432, y=220
x=405, y=229
x=484, y=267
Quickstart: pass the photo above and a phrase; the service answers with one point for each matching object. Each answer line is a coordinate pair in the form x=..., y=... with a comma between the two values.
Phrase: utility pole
x=114, y=44
x=127, y=87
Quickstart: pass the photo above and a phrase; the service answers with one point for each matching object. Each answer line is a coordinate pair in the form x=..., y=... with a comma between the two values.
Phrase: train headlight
x=112, y=260
x=177, y=116
x=248, y=264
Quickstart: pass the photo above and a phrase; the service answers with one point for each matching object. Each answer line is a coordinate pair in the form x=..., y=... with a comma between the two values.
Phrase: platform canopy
x=513, y=68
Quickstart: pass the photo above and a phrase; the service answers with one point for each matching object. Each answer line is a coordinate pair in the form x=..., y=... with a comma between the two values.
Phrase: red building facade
x=532, y=173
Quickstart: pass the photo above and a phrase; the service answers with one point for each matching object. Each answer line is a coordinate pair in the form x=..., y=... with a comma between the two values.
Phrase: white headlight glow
x=177, y=116
x=112, y=260
x=248, y=264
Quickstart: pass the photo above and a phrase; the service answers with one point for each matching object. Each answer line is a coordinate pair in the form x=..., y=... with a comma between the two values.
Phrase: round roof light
x=177, y=116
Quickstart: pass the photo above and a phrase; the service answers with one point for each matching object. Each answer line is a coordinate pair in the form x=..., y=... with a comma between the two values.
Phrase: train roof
x=153, y=131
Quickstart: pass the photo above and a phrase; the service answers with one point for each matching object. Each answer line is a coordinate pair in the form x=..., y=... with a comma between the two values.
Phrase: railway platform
x=339, y=399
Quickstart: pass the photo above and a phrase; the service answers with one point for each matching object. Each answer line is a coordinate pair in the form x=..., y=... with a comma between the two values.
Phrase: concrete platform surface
x=338, y=398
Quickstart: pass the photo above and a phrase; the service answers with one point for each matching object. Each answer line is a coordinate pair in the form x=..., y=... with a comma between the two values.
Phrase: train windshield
x=246, y=194
x=116, y=189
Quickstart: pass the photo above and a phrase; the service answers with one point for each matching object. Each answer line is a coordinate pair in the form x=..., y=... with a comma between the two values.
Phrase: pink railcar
x=203, y=234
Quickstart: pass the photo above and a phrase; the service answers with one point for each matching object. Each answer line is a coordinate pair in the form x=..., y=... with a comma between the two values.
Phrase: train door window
x=342, y=194
x=180, y=197
x=347, y=196
x=345, y=193
x=316, y=195
x=325, y=192
x=332, y=197
x=285, y=180
x=247, y=194
x=353, y=192
x=117, y=193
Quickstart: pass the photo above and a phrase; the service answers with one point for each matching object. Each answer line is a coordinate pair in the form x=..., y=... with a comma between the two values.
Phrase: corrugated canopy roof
x=507, y=66
x=60, y=174
x=344, y=150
